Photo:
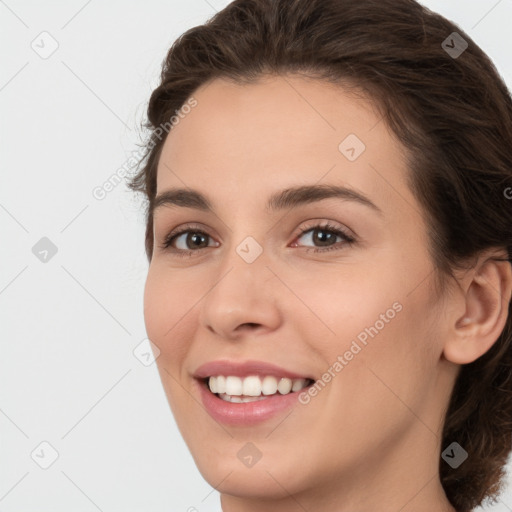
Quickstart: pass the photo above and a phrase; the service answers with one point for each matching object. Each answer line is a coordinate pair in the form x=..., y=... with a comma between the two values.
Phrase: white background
x=69, y=326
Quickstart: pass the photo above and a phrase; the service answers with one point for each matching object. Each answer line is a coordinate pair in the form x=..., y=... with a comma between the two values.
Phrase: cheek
x=372, y=320
x=396, y=364
x=156, y=302
x=165, y=317
x=166, y=304
x=350, y=304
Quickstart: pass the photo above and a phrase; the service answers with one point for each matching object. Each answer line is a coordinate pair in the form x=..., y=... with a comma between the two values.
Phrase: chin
x=263, y=481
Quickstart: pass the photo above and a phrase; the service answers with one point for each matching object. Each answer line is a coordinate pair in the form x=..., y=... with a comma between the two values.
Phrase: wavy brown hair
x=453, y=114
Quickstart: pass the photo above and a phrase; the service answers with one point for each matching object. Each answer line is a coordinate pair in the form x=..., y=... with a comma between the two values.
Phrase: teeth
x=221, y=384
x=212, y=384
x=284, y=386
x=240, y=400
x=251, y=388
x=233, y=386
x=269, y=385
x=298, y=384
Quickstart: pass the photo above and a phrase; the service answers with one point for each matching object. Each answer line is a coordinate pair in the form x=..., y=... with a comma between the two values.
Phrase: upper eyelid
x=299, y=232
x=309, y=224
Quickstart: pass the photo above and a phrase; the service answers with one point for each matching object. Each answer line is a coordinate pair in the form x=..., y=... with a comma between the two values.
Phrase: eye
x=194, y=238
x=326, y=234
x=191, y=236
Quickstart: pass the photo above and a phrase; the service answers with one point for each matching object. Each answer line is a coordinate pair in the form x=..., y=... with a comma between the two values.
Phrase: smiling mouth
x=253, y=387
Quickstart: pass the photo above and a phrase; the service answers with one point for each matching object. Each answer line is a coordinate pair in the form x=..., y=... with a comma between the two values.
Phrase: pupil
x=325, y=238
x=194, y=237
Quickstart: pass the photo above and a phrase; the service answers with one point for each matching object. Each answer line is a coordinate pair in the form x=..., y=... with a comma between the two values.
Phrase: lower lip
x=248, y=413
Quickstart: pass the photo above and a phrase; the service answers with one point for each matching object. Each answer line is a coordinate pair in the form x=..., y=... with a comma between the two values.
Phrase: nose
x=243, y=299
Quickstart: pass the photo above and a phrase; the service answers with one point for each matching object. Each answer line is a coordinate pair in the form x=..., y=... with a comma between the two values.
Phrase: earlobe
x=488, y=290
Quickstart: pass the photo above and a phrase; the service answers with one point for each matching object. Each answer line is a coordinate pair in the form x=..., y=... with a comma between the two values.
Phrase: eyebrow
x=288, y=198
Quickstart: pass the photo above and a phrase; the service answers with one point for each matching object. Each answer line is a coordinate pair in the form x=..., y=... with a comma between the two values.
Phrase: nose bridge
x=245, y=268
x=239, y=293
x=248, y=248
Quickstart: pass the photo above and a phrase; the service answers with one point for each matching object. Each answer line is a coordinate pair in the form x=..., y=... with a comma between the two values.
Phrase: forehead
x=251, y=139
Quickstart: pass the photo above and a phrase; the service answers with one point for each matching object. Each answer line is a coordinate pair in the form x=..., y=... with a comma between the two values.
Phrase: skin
x=371, y=439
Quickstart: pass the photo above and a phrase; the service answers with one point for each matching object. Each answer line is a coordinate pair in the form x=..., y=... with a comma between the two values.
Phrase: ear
x=487, y=291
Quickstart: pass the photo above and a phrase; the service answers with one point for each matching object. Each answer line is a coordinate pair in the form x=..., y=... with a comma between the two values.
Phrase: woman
x=329, y=231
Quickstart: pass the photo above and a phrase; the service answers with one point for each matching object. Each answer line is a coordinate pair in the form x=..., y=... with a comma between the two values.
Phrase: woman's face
x=350, y=306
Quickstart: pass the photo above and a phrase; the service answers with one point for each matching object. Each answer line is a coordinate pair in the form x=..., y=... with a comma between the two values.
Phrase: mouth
x=250, y=392
x=253, y=388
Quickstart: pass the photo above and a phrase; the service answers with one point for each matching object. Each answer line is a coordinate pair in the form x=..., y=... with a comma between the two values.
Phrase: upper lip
x=245, y=369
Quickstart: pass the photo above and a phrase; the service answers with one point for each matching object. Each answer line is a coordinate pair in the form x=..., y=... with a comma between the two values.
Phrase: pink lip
x=244, y=369
x=249, y=413
x=244, y=414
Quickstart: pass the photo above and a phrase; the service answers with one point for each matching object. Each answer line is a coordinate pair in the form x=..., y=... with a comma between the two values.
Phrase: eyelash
x=348, y=240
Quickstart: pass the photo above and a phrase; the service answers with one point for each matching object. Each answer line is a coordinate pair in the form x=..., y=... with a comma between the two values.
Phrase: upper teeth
x=254, y=386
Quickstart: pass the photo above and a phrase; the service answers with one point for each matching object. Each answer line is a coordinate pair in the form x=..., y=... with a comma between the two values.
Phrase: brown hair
x=453, y=114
